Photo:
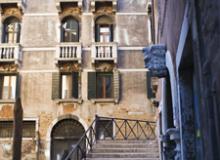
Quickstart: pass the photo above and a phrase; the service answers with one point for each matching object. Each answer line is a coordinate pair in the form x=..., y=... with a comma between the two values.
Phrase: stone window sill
x=7, y=101
x=104, y=100
x=79, y=100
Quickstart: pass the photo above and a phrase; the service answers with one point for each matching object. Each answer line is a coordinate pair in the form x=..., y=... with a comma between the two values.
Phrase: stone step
x=122, y=155
x=121, y=150
x=124, y=145
x=127, y=141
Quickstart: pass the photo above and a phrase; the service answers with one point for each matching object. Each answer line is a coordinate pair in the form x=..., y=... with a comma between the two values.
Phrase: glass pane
x=104, y=85
x=66, y=86
x=70, y=30
x=105, y=34
x=9, y=87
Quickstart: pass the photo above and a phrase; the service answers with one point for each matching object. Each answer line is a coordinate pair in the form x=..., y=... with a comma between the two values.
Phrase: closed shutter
x=116, y=85
x=91, y=85
x=55, y=85
x=1, y=85
x=97, y=33
x=75, y=81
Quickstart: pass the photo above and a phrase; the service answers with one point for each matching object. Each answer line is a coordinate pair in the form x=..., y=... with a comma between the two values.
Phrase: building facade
x=70, y=60
x=189, y=107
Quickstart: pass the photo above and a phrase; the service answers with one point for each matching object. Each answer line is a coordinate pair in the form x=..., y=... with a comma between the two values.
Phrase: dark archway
x=65, y=134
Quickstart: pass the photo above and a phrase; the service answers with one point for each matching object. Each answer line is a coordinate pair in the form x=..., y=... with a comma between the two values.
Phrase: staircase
x=124, y=150
x=116, y=139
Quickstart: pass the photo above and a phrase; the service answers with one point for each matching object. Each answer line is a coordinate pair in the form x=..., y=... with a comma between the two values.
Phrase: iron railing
x=112, y=129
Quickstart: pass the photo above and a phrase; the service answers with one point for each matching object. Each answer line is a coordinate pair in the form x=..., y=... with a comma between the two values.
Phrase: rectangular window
x=69, y=85
x=105, y=34
x=104, y=84
x=28, y=131
x=8, y=87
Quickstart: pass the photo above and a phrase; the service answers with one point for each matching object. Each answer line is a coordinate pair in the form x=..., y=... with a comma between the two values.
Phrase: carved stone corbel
x=155, y=60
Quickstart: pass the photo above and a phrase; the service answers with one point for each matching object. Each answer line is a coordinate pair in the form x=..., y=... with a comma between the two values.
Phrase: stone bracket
x=58, y=3
x=114, y=4
x=155, y=60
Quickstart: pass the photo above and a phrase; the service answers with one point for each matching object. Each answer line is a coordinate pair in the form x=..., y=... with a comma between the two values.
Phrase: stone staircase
x=125, y=150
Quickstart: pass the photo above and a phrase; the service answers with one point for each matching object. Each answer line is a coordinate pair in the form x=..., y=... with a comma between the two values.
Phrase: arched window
x=11, y=30
x=70, y=30
x=104, y=29
x=65, y=134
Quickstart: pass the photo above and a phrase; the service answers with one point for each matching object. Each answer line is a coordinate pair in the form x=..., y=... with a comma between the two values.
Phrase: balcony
x=69, y=52
x=10, y=53
x=93, y=4
x=19, y=3
x=79, y=3
x=104, y=52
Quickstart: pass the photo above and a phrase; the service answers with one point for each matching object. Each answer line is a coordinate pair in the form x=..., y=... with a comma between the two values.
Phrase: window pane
x=70, y=30
x=66, y=86
x=28, y=129
x=9, y=87
x=105, y=34
x=104, y=85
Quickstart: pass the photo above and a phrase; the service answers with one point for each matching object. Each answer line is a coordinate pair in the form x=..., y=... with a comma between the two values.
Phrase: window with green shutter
x=103, y=85
x=65, y=85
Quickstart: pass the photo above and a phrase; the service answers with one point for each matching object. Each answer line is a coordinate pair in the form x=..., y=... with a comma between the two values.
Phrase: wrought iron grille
x=114, y=129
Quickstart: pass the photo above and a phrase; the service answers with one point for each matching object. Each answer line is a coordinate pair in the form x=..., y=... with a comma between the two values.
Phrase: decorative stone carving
x=20, y=4
x=11, y=11
x=154, y=58
x=79, y=4
x=104, y=9
x=69, y=67
x=8, y=68
x=104, y=67
x=70, y=11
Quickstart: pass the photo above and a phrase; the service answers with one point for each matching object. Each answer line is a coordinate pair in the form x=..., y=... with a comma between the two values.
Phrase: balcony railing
x=69, y=52
x=104, y=52
x=10, y=52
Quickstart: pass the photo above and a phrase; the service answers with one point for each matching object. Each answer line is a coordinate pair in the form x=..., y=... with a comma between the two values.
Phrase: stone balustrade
x=104, y=52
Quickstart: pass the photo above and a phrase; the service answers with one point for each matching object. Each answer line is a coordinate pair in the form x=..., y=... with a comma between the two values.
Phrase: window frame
x=12, y=20
x=72, y=85
x=35, y=120
x=2, y=76
x=63, y=30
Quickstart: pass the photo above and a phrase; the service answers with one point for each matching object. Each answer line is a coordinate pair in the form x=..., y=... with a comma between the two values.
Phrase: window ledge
x=104, y=100
x=79, y=100
x=7, y=101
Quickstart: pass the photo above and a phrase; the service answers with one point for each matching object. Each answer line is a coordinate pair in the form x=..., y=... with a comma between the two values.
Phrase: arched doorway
x=64, y=135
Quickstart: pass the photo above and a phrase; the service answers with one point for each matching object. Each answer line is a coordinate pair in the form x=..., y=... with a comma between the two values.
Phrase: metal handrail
x=124, y=129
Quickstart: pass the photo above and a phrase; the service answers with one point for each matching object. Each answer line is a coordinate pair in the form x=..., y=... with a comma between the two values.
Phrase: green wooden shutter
x=91, y=85
x=112, y=33
x=116, y=85
x=75, y=81
x=97, y=33
x=55, y=85
x=1, y=85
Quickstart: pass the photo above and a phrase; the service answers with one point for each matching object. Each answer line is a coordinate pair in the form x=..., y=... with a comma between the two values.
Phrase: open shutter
x=55, y=85
x=75, y=81
x=18, y=86
x=97, y=33
x=91, y=85
x=112, y=33
x=116, y=84
x=1, y=85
